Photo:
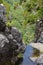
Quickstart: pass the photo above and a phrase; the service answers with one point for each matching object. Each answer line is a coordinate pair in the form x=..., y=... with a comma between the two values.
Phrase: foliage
x=25, y=14
x=1, y=1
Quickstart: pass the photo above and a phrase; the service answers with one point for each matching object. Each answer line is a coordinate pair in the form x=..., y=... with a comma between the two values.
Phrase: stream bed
x=29, y=52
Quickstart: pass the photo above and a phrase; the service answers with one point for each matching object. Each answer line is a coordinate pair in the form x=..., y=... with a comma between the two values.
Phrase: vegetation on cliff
x=23, y=14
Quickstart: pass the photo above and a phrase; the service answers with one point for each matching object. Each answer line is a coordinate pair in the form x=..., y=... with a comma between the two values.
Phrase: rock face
x=11, y=44
x=2, y=17
x=39, y=31
x=41, y=38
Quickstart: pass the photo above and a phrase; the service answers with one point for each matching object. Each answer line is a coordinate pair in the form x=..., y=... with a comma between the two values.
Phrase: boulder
x=11, y=44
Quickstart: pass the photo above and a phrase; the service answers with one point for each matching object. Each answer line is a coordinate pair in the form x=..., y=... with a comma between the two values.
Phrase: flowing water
x=30, y=52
